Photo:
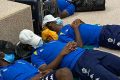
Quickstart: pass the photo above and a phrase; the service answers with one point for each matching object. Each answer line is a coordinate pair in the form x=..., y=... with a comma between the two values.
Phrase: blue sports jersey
x=65, y=5
x=1, y=77
x=89, y=34
x=20, y=70
x=49, y=51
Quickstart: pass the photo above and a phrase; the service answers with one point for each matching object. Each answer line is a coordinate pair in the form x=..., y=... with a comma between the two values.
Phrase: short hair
x=6, y=46
x=22, y=50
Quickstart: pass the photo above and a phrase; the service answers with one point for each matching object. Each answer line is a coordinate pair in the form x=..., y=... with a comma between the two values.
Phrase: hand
x=68, y=48
x=74, y=45
x=76, y=23
x=45, y=72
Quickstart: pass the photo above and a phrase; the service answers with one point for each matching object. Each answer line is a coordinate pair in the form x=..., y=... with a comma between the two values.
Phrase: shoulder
x=68, y=26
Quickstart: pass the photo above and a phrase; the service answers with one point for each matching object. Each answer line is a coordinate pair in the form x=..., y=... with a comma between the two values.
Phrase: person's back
x=89, y=34
x=49, y=51
x=19, y=70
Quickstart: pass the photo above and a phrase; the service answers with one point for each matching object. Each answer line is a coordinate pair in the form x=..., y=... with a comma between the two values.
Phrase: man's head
x=52, y=23
x=23, y=51
x=7, y=50
x=28, y=37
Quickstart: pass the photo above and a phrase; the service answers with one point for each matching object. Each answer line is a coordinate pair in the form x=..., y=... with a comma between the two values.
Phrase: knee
x=64, y=72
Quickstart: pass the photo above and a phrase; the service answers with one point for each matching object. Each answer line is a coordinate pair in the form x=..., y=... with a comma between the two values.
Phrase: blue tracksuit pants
x=97, y=65
x=110, y=37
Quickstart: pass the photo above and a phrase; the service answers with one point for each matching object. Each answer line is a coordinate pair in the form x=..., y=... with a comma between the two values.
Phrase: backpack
x=89, y=5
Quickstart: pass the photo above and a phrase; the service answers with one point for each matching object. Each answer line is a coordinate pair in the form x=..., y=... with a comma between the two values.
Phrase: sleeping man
x=85, y=64
x=85, y=34
x=22, y=70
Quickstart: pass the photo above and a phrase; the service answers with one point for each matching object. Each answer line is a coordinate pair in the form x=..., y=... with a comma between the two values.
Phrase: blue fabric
x=1, y=77
x=89, y=34
x=97, y=65
x=110, y=37
x=20, y=70
x=65, y=5
x=49, y=51
x=9, y=57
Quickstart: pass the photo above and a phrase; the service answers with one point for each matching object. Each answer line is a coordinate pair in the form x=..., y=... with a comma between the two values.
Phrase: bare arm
x=75, y=25
x=64, y=14
x=53, y=64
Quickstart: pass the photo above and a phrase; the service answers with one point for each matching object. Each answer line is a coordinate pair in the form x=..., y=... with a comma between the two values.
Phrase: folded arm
x=54, y=64
x=75, y=25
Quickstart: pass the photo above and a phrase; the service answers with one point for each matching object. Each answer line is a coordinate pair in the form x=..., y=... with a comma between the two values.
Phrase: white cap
x=28, y=37
x=48, y=18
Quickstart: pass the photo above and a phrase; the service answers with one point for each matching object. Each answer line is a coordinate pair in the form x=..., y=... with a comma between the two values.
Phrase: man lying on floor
x=85, y=34
x=66, y=8
x=22, y=70
x=85, y=64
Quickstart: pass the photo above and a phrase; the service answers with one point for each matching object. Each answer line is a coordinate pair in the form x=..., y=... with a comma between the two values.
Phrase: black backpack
x=89, y=5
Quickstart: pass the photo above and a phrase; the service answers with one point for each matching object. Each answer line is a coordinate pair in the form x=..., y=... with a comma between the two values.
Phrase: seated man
x=22, y=70
x=85, y=34
x=86, y=64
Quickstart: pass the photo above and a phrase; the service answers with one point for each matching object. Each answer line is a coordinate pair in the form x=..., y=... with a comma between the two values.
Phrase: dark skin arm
x=64, y=14
x=2, y=61
x=54, y=64
x=75, y=25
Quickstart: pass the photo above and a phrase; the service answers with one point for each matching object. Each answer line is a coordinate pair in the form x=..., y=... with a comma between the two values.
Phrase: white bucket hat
x=28, y=37
x=48, y=18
